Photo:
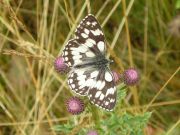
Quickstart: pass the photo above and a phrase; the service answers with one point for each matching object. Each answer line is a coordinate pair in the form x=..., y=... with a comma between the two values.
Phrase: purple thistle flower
x=75, y=105
x=92, y=132
x=117, y=76
x=60, y=66
x=130, y=76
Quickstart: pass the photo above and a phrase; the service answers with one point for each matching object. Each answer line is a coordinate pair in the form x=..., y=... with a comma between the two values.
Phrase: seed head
x=130, y=76
x=60, y=66
x=75, y=105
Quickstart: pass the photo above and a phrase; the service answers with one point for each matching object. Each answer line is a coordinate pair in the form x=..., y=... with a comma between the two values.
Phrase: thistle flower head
x=60, y=66
x=130, y=76
x=117, y=76
x=75, y=105
x=92, y=132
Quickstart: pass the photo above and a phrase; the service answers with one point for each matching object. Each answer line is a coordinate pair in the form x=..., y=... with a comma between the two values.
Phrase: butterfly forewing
x=89, y=33
x=76, y=54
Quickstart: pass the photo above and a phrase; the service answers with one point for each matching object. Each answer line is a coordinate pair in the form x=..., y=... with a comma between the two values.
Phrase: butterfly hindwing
x=103, y=93
x=89, y=33
x=81, y=80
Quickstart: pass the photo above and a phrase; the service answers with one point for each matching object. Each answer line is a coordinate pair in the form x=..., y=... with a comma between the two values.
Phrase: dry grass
x=33, y=33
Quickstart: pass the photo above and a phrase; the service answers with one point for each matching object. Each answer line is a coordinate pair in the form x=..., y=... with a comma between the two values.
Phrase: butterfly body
x=90, y=74
x=99, y=62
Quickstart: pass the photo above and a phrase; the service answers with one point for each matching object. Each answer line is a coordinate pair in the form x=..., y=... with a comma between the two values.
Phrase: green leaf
x=122, y=92
x=63, y=128
x=126, y=124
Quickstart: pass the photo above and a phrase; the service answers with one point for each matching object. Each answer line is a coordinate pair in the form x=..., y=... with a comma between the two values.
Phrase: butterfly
x=89, y=69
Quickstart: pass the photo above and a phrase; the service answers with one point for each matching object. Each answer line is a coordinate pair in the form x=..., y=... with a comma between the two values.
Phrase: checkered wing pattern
x=103, y=92
x=76, y=54
x=85, y=54
x=81, y=80
x=89, y=33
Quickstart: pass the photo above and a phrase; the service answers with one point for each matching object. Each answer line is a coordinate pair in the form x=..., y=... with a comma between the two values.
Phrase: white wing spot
x=84, y=35
x=112, y=100
x=110, y=91
x=73, y=48
x=106, y=103
x=86, y=31
x=66, y=58
x=98, y=84
x=98, y=94
x=101, y=46
x=108, y=77
x=80, y=72
x=88, y=23
x=102, y=85
x=90, y=83
x=89, y=44
x=96, y=32
x=77, y=57
x=94, y=74
x=77, y=61
x=91, y=40
x=70, y=80
x=81, y=77
x=81, y=82
x=73, y=86
x=75, y=52
x=65, y=53
x=101, y=97
x=94, y=23
x=90, y=54
x=82, y=49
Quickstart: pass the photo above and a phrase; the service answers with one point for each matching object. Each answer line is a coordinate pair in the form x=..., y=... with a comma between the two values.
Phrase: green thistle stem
x=95, y=116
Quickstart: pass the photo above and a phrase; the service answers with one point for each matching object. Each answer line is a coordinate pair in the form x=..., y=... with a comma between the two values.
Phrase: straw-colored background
x=144, y=34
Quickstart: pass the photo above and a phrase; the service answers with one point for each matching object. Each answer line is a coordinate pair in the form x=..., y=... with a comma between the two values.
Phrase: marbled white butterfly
x=90, y=75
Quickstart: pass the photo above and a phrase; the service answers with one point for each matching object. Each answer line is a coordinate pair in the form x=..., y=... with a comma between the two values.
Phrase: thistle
x=130, y=76
x=92, y=132
x=60, y=66
x=117, y=76
x=75, y=105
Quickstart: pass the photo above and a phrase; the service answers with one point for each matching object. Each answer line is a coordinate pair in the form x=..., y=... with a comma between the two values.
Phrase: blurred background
x=144, y=34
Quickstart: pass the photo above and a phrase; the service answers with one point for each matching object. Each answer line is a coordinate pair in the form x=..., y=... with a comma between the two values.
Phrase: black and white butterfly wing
x=76, y=54
x=81, y=80
x=88, y=43
x=103, y=93
x=89, y=33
